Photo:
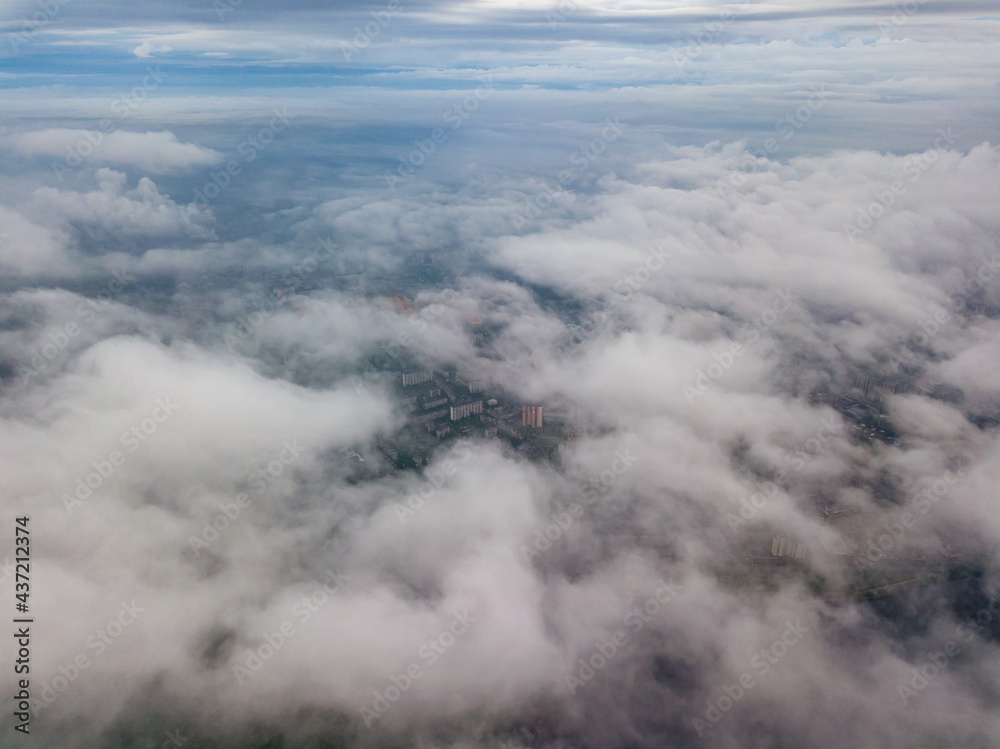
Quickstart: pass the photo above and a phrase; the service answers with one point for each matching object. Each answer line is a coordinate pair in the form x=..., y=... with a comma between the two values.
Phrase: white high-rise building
x=466, y=409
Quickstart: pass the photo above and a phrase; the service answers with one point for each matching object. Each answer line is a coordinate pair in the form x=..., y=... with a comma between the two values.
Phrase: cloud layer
x=752, y=276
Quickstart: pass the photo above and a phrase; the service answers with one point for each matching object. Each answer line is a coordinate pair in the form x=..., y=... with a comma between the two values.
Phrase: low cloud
x=156, y=152
x=762, y=509
x=112, y=214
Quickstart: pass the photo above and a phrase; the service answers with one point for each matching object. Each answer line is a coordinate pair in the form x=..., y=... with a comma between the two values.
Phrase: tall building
x=477, y=385
x=782, y=546
x=416, y=377
x=531, y=416
x=466, y=409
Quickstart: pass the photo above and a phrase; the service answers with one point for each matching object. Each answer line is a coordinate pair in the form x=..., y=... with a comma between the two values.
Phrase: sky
x=751, y=251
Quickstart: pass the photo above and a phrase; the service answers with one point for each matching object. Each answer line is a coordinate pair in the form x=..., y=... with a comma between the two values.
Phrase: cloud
x=764, y=314
x=29, y=249
x=156, y=152
x=110, y=215
x=147, y=48
x=628, y=547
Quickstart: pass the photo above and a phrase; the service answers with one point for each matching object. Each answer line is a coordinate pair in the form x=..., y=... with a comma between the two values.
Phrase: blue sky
x=751, y=59
x=518, y=87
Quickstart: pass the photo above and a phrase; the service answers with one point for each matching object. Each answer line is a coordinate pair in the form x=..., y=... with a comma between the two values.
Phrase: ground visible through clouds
x=282, y=287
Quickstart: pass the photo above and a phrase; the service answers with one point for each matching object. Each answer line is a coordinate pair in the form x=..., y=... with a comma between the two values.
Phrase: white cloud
x=147, y=48
x=157, y=152
x=28, y=249
x=113, y=213
x=863, y=308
